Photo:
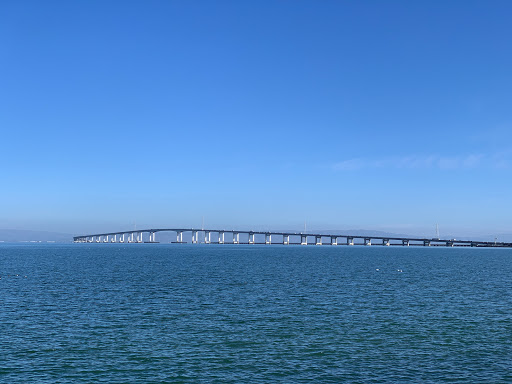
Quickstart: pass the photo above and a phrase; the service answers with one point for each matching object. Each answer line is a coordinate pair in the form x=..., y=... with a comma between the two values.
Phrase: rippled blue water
x=194, y=313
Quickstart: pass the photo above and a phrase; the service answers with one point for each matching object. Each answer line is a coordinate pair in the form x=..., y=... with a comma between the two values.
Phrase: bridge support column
x=139, y=237
x=251, y=238
x=195, y=237
x=268, y=238
x=426, y=243
x=114, y=239
x=221, y=237
x=334, y=240
x=449, y=243
x=303, y=240
x=179, y=237
x=207, y=237
x=318, y=240
x=236, y=238
x=121, y=238
x=286, y=239
x=367, y=241
x=105, y=239
x=385, y=242
x=405, y=243
x=350, y=241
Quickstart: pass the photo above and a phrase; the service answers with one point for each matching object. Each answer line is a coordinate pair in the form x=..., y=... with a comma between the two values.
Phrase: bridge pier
x=236, y=238
x=318, y=240
x=385, y=242
x=334, y=240
x=405, y=243
x=207, y=237
x=251, y=238
x=286, y=239
x=221, y=237
x=426, y=243
x=268, y=238
x=367, y=241
x=195, y=237
x=303, y=240
x=350, y=241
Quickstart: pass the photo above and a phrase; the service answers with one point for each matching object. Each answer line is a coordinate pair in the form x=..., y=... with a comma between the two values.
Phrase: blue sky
x=390, y=115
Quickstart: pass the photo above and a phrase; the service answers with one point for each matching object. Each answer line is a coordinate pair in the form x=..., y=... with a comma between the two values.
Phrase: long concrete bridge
x=222, y=236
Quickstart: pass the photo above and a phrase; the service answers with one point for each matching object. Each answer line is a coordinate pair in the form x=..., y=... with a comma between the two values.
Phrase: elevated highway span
x=222, y=236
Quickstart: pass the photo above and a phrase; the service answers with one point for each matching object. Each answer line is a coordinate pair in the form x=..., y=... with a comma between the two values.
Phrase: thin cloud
x=501, y=160
x=350, y=165
x=419, y=162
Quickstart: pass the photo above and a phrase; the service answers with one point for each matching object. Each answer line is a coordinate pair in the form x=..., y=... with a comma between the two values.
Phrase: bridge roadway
x=136, y=236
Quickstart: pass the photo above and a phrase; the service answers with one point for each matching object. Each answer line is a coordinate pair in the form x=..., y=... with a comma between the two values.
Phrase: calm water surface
x=153, y=313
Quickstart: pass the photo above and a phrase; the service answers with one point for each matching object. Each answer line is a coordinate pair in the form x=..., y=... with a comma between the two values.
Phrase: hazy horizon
x=20, y=235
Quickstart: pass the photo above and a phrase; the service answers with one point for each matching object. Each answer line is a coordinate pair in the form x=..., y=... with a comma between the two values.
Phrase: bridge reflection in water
x=221, y=236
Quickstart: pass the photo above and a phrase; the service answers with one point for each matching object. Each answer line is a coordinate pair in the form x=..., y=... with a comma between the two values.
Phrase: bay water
x=175, y=313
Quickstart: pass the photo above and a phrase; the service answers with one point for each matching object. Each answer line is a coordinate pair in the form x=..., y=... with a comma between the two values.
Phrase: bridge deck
x=112, y=237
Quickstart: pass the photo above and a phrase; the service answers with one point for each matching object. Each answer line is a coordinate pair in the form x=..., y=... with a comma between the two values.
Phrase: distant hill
x=20, y=235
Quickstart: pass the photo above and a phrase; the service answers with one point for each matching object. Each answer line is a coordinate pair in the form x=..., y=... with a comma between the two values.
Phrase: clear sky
x=388, y=115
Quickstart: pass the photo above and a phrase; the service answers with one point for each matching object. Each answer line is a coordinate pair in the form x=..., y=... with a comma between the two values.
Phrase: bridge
x=222, y=236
